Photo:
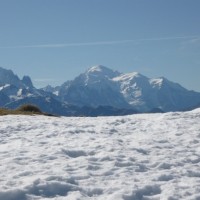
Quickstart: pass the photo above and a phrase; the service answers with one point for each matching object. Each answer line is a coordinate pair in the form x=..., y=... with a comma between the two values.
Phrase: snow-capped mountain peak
x=100, y=85
x=98, y=68
x=102, y=71
x=163, y=82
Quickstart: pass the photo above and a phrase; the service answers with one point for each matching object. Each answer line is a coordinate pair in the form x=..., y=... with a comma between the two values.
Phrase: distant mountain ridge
x=98, y=91
x=102, y=86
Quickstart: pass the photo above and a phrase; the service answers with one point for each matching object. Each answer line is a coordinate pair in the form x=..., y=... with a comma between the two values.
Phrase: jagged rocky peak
x=27, y=81
x=8, y=77
x=100, y=70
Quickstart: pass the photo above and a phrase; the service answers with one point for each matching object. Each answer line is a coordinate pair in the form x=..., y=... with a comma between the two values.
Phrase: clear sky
x=55, y=40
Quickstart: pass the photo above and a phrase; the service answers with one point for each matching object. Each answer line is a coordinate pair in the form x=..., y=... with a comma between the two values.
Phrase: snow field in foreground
x=138, y=157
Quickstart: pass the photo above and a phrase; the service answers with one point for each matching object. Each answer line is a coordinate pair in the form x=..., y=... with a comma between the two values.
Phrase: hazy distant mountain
x=93, y=88
x=98, y=91
x=15, y=92
x=102, y=86
x=146, y=94
x=7, y=77
x=47, y=104
x=12, y=88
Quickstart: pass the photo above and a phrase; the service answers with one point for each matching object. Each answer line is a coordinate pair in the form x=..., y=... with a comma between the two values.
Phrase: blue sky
x=55, y=40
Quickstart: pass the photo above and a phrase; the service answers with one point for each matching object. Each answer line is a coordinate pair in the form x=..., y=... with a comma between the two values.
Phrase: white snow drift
x=147, y=156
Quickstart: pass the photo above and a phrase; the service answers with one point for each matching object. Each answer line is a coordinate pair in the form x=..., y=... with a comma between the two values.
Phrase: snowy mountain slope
x=173, y=96
x=15, y=92
x=135, y=89
x=145, y=94
x=102, y=86
x=144, y=156
x=93, y=88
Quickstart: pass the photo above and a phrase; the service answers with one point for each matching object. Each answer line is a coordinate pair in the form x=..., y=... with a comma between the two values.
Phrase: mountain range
x=98, y=91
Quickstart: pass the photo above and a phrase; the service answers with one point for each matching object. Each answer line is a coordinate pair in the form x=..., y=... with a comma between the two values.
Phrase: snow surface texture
x=138, y=157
